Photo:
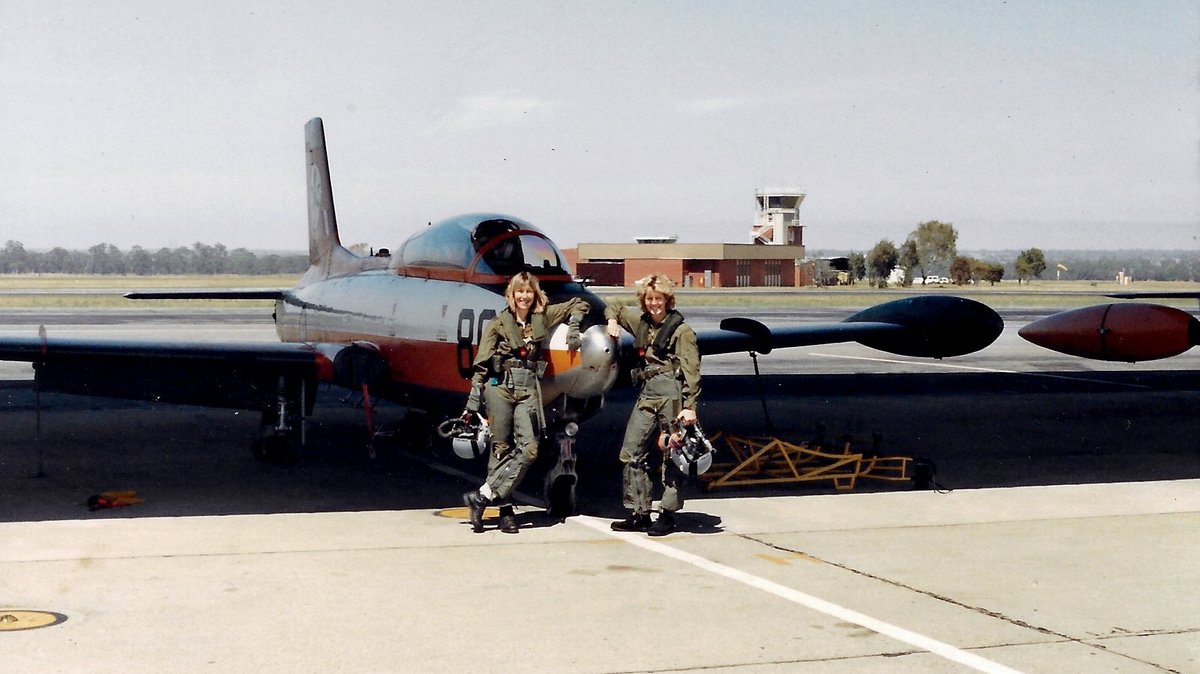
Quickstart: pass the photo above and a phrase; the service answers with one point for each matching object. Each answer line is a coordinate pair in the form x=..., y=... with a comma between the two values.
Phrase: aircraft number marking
x=470, y=332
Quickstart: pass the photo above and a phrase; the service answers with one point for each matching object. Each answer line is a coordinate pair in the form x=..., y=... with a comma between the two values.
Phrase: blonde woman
x=507, y=367
x=669, y=375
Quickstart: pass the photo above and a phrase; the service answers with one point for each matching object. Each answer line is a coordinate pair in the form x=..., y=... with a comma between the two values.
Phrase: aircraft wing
x=246, y=294
x=934, y=326
x=1162, y=295
x=235, y=375
x=744, y=334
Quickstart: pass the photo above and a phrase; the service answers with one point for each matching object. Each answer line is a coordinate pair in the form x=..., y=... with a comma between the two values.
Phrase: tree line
x=1141, y=265
x=106, y=258
x=932, y=250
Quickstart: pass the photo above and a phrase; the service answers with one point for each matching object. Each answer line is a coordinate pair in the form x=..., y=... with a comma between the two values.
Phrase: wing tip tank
x=1122, y=332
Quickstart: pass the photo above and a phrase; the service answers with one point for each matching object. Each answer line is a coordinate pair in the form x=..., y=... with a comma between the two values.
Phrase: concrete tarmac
x=1065, y=541
x=1090, y=578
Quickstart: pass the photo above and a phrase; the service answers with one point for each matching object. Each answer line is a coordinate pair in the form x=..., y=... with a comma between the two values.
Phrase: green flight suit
x=670, y=382
x=509, y=382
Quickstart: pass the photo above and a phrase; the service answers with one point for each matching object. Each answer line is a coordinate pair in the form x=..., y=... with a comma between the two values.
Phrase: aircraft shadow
x=979, y=430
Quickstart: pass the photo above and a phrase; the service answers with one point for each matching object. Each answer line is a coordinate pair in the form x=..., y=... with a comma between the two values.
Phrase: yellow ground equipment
x=766, y=460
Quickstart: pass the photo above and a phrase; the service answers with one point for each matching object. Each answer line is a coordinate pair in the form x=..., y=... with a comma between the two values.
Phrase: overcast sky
x=1056, y=124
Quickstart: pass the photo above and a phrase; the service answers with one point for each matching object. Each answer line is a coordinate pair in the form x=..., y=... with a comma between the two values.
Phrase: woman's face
x=523, y=299
x=656, y=305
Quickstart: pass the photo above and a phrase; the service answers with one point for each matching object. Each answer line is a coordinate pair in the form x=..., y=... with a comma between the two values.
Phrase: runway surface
x=1064, y=542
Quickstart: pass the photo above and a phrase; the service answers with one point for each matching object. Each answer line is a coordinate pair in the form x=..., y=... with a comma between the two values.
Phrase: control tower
x=778, y=221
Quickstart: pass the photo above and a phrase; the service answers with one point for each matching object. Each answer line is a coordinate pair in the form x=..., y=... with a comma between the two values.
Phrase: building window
x=742, y=277
x=771, y=273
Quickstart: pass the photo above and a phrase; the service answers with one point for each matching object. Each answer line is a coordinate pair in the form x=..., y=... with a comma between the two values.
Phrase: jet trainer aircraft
x=405, y=326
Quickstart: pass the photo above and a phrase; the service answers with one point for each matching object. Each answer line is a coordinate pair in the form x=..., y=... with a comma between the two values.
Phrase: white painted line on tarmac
x=923, y=363
x=972, y=368
x=920, y=641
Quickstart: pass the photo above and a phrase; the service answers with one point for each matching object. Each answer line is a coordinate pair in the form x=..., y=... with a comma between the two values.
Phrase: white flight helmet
x=468, y=440
x=691, y=452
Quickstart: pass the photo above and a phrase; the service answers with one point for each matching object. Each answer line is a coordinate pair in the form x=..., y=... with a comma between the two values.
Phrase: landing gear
x=561, y=479
x=559, y=488
x=282, y=429
x=278, y=448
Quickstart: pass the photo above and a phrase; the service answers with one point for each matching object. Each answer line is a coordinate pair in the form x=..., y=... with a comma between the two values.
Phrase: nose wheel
x=561, y=479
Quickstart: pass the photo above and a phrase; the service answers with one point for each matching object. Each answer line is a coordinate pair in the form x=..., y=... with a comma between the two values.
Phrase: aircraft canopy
x=494, y=244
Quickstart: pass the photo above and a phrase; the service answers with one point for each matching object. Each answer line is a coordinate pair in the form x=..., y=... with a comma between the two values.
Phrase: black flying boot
x=475, y=504
x=664, y=525
x=633, y=523
x=508, y=521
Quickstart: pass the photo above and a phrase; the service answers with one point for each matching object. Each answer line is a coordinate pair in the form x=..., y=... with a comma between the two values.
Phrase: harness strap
x=650, y=371
x=662, y=340
x=508, y=364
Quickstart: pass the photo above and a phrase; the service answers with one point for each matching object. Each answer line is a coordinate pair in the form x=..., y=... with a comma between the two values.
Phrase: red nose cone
x=1124, y=332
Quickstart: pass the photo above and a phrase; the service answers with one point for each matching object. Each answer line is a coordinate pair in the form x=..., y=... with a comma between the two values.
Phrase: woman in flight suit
x=669, y=374
x=508, y=368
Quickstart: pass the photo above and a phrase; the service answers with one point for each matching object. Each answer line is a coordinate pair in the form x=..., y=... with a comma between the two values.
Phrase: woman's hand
x=613, y=329
x=687, y=417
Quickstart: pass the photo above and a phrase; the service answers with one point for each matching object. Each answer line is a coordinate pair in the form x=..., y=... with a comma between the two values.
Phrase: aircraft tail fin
x=326, y=255
x=322, y=221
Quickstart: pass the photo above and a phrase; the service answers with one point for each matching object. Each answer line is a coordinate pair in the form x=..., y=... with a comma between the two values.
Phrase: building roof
x=779, y=191
x=687, y=251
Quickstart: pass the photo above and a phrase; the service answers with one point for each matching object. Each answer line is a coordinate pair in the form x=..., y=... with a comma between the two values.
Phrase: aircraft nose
x=599, y=354
x=595, y=371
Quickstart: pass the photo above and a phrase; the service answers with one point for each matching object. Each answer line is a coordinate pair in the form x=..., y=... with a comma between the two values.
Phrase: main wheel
x=560, y=497
x=275, y=448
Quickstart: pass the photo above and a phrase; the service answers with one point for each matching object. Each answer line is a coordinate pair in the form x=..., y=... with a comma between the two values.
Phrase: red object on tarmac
x=1126, y=332
x=113, y=499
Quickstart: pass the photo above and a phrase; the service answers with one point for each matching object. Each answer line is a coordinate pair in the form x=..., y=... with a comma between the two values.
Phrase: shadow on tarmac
x=980, y=430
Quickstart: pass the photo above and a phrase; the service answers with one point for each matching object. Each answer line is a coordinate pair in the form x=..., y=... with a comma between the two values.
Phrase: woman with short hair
x=669, y=375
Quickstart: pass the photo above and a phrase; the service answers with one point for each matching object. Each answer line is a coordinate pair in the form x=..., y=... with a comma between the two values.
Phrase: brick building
x=694, y=265
x=773, y=258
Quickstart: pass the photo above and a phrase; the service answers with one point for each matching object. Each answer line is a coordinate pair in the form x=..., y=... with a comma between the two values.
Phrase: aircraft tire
x=275, y=448
x=560, y=497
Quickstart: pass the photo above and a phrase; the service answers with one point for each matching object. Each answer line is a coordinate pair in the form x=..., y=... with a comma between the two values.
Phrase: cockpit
x=482, y=248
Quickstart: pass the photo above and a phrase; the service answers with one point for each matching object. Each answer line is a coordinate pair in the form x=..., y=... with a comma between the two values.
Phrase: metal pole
x=762, y=398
